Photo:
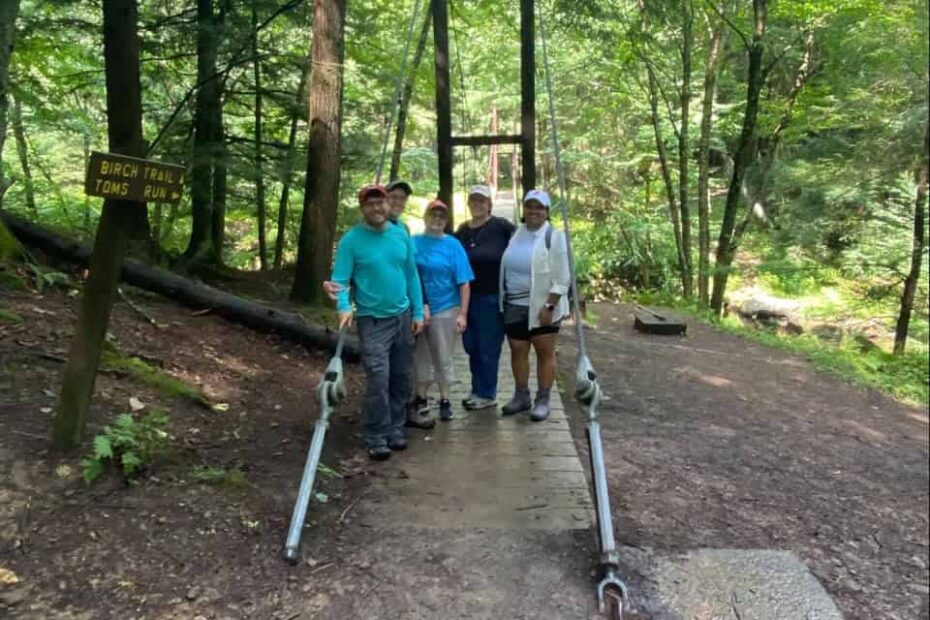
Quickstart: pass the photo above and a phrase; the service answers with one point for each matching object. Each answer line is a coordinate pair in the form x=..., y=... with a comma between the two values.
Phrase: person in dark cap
x=398, y=192
x=379, y=259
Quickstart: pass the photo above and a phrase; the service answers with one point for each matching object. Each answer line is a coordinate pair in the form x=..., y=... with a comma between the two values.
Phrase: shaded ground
x=173, y=548
x=712, y=441
x=715, y=441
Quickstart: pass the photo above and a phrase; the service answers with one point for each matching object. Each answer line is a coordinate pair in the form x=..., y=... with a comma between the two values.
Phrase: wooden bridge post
x=443, y=100
x=528, y=94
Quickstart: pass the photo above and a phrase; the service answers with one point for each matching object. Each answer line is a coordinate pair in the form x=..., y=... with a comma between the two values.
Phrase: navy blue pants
x=483, y=341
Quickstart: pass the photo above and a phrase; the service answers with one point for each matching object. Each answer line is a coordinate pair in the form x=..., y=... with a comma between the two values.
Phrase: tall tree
x=745, y=152
x=918, y=248
x=22, y=148
x=259, y=176
x=287, y=167
x=703, y=163
x=200, y=246
x=9, y=9
x=220, y=173
x=684, y=145
x=321, y=193
x=124, y=129
x=769, y=144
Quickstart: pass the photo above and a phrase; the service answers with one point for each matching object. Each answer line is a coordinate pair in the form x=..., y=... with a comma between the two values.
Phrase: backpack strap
x=549, y=237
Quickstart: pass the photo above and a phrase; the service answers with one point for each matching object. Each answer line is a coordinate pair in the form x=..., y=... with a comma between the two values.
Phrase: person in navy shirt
x=446, y=274
x=484, y=237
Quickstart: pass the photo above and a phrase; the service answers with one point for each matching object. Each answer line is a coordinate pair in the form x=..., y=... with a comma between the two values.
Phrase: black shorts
x=517, y=324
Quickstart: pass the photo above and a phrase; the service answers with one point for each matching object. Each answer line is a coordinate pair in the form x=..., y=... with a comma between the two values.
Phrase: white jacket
x=549, y=273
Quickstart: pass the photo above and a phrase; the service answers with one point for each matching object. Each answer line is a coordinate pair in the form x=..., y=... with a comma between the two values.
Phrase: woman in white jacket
x=534, y=284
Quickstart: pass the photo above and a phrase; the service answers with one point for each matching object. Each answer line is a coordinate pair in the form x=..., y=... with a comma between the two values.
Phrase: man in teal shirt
x=379, y=259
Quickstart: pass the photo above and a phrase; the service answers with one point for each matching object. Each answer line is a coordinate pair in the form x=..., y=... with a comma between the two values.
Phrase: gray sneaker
x=520, y=402
x=540, y=411
x=468, y=400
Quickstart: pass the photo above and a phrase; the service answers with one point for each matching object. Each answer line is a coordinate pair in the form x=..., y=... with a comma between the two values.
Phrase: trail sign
x=129, y=178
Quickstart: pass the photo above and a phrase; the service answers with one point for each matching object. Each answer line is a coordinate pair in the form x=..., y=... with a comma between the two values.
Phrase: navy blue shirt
x=485, y=246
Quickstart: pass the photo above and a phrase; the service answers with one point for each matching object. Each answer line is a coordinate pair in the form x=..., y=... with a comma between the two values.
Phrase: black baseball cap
x=408, y=189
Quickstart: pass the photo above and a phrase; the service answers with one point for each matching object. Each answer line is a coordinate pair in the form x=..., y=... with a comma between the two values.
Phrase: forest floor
x=715, y=441
x=711, y=441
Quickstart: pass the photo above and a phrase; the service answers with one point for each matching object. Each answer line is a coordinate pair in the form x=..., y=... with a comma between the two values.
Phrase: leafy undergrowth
x=129, y=443
x=864, y=331
x=905, y=377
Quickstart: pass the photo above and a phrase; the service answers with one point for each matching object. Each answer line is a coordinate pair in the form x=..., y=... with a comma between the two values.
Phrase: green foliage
x=8, y=316
x=44, y=278
x=113, y=360
x=10, y=249
x=10, y=280
x=219, y=476
x=130, y=444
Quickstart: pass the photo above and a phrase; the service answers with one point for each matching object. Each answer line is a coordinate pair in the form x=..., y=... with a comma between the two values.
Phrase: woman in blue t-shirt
x=446, y=274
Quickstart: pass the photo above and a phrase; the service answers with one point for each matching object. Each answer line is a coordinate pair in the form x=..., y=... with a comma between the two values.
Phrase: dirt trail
x=716, y=441
x=712, y=442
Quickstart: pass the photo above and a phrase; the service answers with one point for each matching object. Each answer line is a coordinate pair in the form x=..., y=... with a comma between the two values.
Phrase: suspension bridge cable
x=563, y=191
x=395, y=103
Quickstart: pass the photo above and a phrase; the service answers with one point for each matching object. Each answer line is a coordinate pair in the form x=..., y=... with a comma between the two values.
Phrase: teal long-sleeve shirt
x=382, y=267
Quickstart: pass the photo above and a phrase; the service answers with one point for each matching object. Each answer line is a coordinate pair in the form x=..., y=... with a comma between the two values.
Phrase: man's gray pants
x=387, y=355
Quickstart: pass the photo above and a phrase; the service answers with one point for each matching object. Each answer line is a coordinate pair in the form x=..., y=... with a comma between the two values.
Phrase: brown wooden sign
x=129, y=178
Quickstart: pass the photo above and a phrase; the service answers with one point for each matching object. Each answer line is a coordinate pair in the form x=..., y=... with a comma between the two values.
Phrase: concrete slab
x=724, y=584
x=758, y=584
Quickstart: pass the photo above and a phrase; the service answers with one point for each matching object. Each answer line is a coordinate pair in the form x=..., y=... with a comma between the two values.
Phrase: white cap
x=481, y=190
x=539, y=196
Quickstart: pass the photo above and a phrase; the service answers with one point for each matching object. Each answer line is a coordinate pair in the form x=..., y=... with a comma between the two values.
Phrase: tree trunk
x=666, y=174
x=491, y=176
x=183, y=290
x=22, y=148
x=703, y=189
x=287, y=172
x=200, y=246
x=259, y=177
x=124, y=128
x=218, y=213
x=87, y=145
x=917, y=251
x=218, y=196
x=759, y=194
x=684, y=149
x=9, y=9
x=321, y=193
x=405, y=98
x=744, y=156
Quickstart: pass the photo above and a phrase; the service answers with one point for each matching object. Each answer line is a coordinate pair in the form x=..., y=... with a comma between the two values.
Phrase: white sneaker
x=481, y=403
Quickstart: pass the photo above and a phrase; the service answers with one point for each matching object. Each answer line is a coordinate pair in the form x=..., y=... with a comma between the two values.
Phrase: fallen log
x=194, y=294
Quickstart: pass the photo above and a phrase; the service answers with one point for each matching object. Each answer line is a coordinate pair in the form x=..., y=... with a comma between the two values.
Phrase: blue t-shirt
x=381, y=266
x=444, y=267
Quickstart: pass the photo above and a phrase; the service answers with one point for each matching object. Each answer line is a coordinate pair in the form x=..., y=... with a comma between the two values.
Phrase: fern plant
x=130, y=444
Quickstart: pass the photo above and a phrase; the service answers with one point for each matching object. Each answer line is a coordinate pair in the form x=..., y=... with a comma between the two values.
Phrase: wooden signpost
x=128, y=178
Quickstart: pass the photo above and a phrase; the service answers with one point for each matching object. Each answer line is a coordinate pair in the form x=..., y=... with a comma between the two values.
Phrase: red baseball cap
x=437, y=204
x=368, y=190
